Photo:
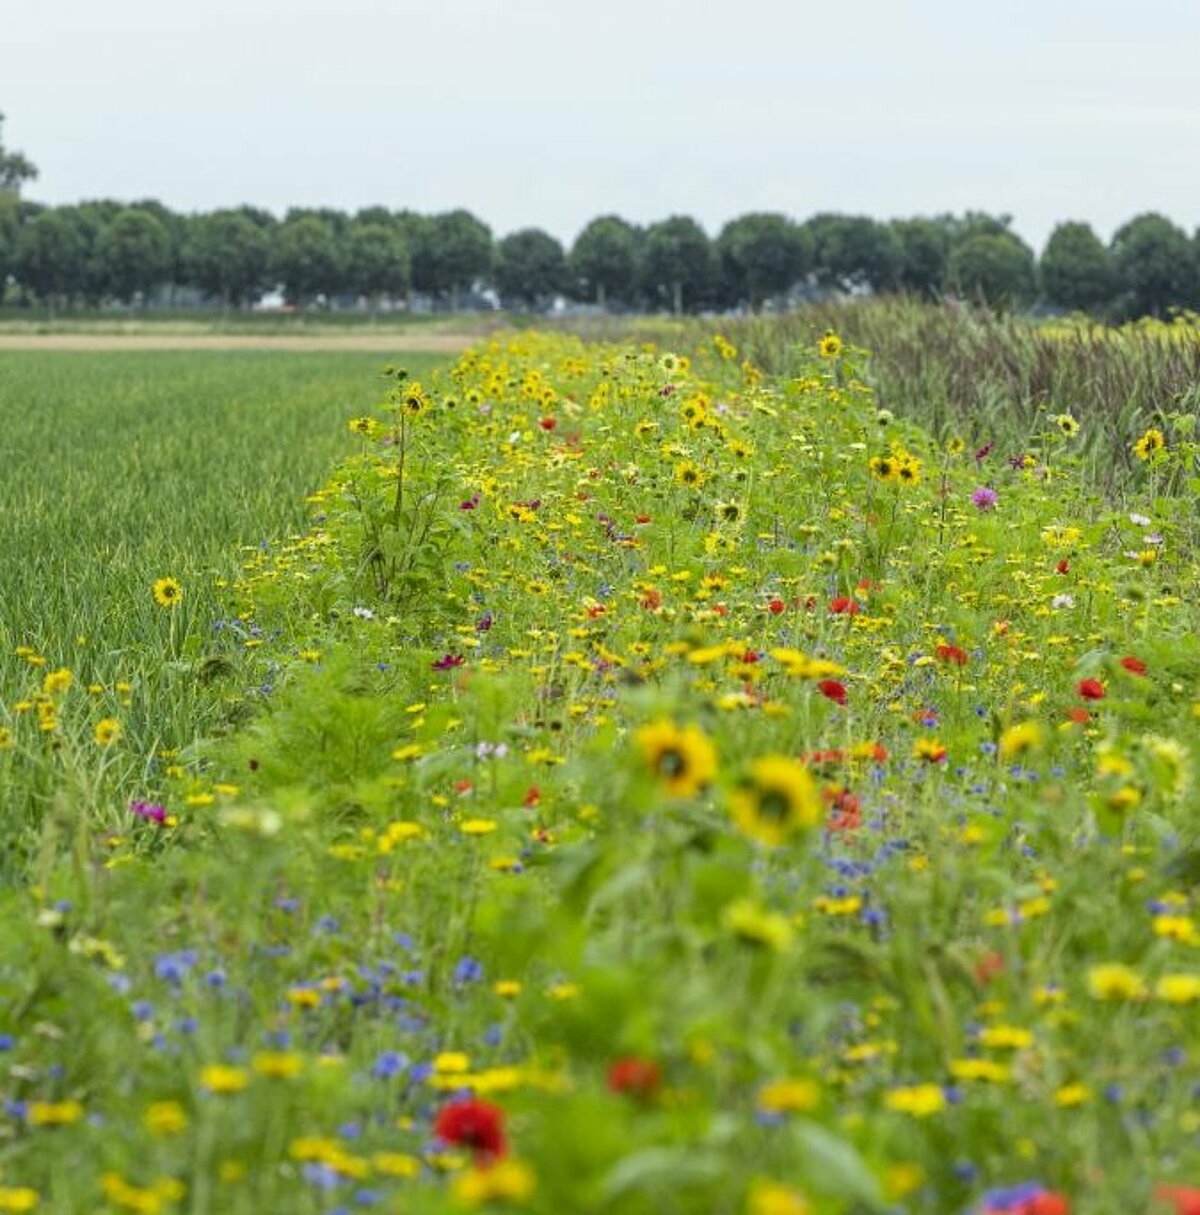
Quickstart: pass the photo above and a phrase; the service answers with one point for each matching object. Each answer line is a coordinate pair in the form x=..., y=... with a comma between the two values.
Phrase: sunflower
x=688, y=474
x=884, y=468
x=908, y=471
x=682, y=757
x=413, y=400
x=1150, y=444
x=730, y=513
x=1067, y=424
x=777, y=801
x=167, y=592
x=831, y=345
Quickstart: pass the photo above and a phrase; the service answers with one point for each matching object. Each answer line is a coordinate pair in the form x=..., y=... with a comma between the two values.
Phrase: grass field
x=121, y=469
x=627, y=782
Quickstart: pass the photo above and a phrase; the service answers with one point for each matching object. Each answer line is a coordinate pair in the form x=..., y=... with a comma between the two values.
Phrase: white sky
x=549, y=112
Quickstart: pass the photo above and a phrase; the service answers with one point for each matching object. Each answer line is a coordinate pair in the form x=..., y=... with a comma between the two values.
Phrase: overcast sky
x=549, y=112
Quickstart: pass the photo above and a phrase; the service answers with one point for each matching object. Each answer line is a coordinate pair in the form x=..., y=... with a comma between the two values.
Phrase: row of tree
x=94, y=252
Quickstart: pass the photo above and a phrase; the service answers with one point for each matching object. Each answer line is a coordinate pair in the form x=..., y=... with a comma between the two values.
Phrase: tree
x=1155, y=266
x=677, y=262
x=457, y=253
x=762, y=255
x=306, y=258
x=852, y=252
x=531, y=268
x=49, y=257
x=134, y=251
x=15, y=169
x=10, y=228
x=604, y=261
x=1076, y=269
x=377, y=261
x=227, y=255
x=998, y=268
x=924, y=250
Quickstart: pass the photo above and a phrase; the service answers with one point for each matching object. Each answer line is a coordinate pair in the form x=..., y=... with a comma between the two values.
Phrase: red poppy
x=750, y=656
x=846, y=810
x=951, y=653
x=1134, y=665
x=474, y=1124
x=816, y=759
x=1063, y=567
x=1079, y=716
x=642, y=519
x=1046, y=1203
x=833, y=690
x=533, y=795
x=776, y=606
x=1186, y=1198
x=841, y=606
x=1091, y=689
x=548, y=423
x=635, y=1077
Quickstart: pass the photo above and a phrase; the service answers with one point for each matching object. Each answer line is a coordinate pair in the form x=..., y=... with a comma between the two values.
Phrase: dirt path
x=384, y=343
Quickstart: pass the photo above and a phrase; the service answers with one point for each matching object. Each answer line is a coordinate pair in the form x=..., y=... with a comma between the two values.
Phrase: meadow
x=642, y=779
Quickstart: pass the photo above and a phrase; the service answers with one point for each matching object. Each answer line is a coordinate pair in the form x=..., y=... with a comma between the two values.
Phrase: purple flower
x=448, y=662
x=148, y=810
x=984, y=498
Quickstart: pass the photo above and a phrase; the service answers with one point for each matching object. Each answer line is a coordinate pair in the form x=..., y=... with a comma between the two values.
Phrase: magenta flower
x=150, y=811
x=447, y=662
x=984, y=498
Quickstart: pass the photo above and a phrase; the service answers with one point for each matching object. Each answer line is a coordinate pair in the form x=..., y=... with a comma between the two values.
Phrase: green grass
x=120, y=469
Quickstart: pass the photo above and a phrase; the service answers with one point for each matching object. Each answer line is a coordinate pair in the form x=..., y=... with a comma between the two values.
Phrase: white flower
x=1139, y=520
x=364, y=613
x=1063, y=601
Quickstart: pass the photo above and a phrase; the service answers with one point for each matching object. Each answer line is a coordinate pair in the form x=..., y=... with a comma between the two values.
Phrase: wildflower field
x=629, y=781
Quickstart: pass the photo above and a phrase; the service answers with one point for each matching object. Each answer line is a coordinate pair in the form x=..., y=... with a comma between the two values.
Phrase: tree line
x=92, y=253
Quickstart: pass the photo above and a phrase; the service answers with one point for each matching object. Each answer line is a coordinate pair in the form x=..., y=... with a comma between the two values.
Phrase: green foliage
x=1076, y=270
x=924, y=249
x=677, y=263
x=851, y=252
x=763, y=255
x=15, y=169
x=307, y=258
x=134, y=252
x=1155, y=265
x=997, y=269
x=377, y=259
x=603, y=261
x=227, y=256
x=531, y=268
x=49, y=256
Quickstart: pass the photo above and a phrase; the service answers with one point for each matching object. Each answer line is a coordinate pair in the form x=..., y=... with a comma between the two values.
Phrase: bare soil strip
x=384, y=343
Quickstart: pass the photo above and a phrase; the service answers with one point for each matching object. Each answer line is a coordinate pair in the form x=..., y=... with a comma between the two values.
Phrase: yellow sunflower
x=684, y=758
x=778, y=800
x=831, y=345
x=167, y=592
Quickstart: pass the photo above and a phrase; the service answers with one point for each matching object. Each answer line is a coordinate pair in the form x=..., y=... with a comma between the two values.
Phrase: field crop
x=120, y=470
x=646, y=784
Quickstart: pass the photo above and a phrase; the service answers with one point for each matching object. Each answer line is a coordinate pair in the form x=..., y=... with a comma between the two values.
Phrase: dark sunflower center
x=671, y=763
x=773, y=804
